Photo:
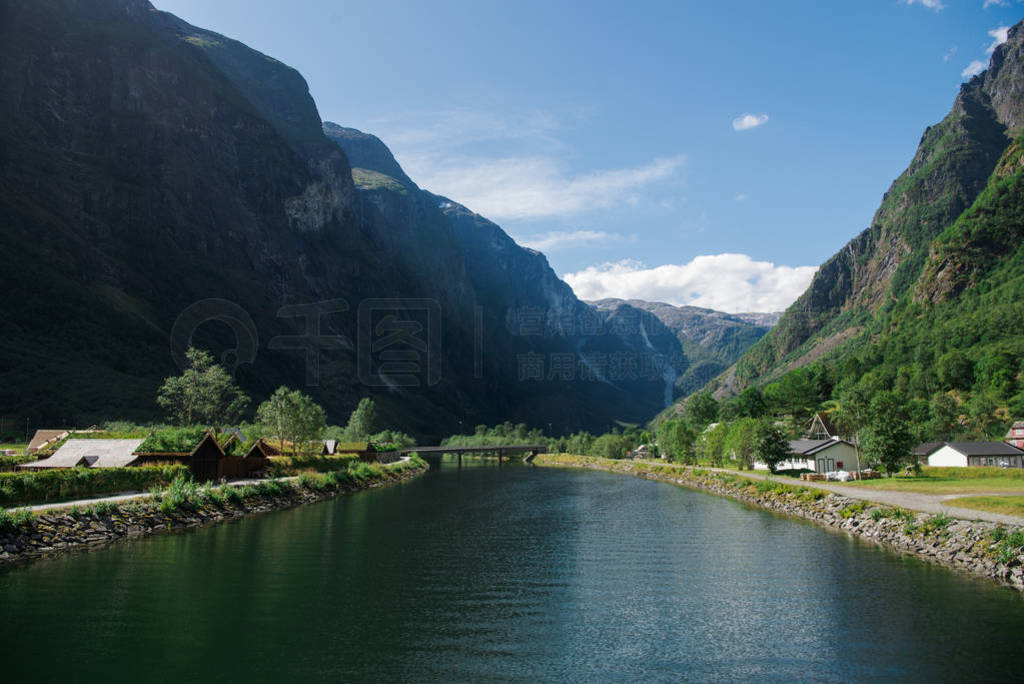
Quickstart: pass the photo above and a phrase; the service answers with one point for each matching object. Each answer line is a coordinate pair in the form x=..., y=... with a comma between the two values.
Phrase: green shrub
x=181, y=493
x=15, y=518
x=936, y=523
x=853, y=509
x=62, y=484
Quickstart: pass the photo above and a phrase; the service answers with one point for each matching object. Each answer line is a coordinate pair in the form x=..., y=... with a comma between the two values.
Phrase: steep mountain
x=161, y=184
x=883, y=265
x=926, y=302
x=710, y=340
x=531, y=321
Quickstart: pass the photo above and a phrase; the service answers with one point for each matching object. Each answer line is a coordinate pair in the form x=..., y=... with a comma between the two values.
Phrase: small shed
x=966, y=454
x=90, y=453
x=257, y=459
x=330, y=447
x=209, y=462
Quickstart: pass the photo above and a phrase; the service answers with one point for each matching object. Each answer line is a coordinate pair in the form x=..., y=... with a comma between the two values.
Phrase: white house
x=817, y=455
x=964, y=454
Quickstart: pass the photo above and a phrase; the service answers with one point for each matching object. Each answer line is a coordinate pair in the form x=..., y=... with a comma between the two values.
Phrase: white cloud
x=727, y=282
x=538, y=187
x=930, y=4
x=747, y=121
x=949, y=55
x=510, y=166
x=555, y=240
x=998, y=3
x=973, y=69
x=999, y=36
x=741, y=197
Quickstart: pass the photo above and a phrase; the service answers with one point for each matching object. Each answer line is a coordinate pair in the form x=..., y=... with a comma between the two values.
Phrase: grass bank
x=933, y=480
x=183, y=503
x=1007, y=505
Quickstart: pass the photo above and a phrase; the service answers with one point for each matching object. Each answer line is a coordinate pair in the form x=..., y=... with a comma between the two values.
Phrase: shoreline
x=102, y=523
x=980, y=548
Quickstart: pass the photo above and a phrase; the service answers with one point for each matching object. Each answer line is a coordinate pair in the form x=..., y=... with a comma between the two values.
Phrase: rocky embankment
x=102, y=523
x=980, y=548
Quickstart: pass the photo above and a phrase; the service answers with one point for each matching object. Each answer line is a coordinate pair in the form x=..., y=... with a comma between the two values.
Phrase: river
x=504, y=573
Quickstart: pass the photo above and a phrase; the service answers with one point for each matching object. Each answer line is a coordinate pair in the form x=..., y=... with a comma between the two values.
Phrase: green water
x=512, y=573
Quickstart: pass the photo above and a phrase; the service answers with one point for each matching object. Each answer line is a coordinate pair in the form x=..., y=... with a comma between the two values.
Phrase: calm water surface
x=512, y=573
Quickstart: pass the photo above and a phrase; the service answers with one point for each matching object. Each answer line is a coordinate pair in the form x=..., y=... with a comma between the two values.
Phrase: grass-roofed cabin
x=199, y=450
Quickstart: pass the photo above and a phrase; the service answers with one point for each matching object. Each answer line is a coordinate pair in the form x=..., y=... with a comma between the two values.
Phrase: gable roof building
x=964, y=454
x=90, y=453
x=1015, y=435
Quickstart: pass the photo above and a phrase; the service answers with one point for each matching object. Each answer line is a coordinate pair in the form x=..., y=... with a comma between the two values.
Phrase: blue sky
x=694, y=152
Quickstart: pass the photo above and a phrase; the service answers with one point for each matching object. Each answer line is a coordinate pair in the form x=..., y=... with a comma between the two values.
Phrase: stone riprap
x=66, y=529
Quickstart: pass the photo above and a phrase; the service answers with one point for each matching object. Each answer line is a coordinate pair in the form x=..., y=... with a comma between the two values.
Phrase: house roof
x=260, y=449
x=809, y=447
x=927, y=448
x=826, y=422
x=93, y=453
x=985, y=448
x=1017, y=425
x=44, y=437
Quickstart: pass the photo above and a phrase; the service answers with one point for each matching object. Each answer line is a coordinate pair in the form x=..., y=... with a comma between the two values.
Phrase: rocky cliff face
x=953, y=164
x=160, y=183
x=552, y=352
x=709, y=340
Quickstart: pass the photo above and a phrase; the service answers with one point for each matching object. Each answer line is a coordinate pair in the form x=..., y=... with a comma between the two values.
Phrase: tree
x=956, y=371
x=610, y=446
x=742, y=441
x=363, y=421
x=887, y=437
x=945, y=416
x=750, y=403
x=676, y=438
x=701, y=409
x=289, y=415
x=772, y=445
x=203, y=393
x=714, y=443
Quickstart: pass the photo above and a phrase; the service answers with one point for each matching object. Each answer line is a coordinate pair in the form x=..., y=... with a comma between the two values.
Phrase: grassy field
x=952, y=481
x=13, y=446
x=1008, y=505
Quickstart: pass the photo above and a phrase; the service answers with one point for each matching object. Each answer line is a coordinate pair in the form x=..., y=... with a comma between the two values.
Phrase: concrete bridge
x=501, y=451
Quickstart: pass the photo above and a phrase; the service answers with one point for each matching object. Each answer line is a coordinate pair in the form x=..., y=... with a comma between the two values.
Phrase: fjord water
x=513, y=572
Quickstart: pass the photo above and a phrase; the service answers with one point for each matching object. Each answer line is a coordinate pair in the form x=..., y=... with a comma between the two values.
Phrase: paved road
x=915, y=501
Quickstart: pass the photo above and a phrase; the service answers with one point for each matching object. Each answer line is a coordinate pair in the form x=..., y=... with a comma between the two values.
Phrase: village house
x=965, y=454
x=1015, y=435
x=817, y=455
x=925, y=449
